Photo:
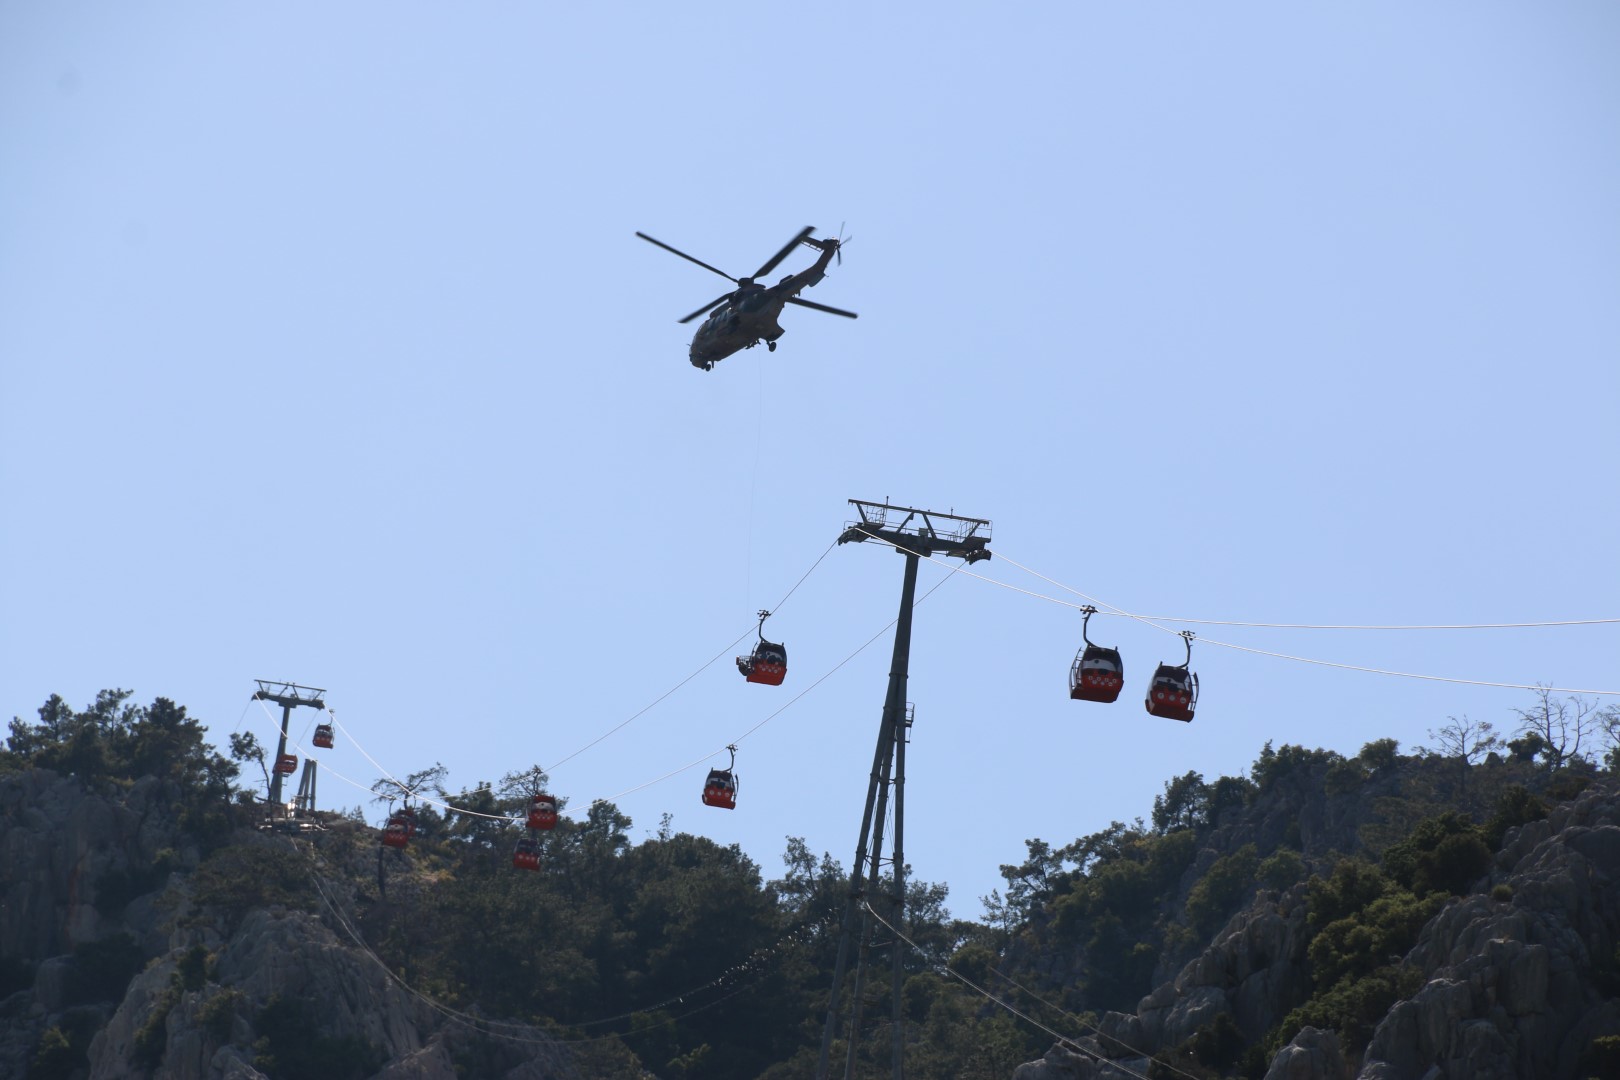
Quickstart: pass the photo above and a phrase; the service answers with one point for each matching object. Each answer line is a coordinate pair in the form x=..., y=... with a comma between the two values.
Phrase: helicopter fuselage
x=748, y=316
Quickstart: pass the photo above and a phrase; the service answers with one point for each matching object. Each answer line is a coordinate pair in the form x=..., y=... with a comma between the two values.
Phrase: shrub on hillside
x=1218, y=893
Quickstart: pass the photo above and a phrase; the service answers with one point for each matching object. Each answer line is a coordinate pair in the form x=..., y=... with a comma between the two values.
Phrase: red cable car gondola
x=768, y=662
x=1097, y=673
x=287, y=763
x=720, y=789
x=527, y=855
x=1173, y=693
x=543, y=812
x=400, y=828
x=323, y=736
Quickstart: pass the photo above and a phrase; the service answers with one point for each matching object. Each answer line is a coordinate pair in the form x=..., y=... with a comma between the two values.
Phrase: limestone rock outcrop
x=1520, y=986
x=1311, y=1055
x=100, y=933
x=1519, y=978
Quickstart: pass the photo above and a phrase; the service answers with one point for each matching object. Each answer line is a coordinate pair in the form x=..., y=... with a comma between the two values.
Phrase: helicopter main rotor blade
x=784, y=253
x=706, y=308
x=822, y=307
x=688, y=258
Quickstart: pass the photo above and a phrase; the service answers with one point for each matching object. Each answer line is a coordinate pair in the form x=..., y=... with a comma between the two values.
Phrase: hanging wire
x=367, y=788
x=406, y=789
x=483, y=1025
x=1093, y=1028
x=791, y=701
x=243, y=715
x=1062, y=1039
x=1318, y=626
x=1150, y=621
x=509, y=820
x=709, y=663
x=649, y=707
x=1408, y=674
x=753, y=484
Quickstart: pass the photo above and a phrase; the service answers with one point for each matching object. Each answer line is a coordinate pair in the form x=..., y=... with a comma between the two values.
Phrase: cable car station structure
x=915, y=534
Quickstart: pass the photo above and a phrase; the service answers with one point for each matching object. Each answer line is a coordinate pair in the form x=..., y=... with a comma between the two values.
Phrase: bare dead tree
x=1468, y=739
x=1563, y=724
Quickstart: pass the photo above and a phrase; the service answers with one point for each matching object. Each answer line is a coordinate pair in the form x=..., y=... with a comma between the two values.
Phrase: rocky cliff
x=115, y=967
x=1519, y=978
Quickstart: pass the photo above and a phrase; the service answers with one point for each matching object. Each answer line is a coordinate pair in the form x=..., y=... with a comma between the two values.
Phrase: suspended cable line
x=789, y=704
x=508, y=819
x=505, y=819
x=412, y=793
x=655, y=701
x=484, y=1025
x=1062, y=1039
x=707, y=664
x=1313, y=626
x=1408, y=674
x=1150, y=621
x=1093, y=1028
x=370, y=789
x=243, y=714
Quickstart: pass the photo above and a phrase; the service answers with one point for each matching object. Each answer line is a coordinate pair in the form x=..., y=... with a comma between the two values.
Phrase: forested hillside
x=1320, y=916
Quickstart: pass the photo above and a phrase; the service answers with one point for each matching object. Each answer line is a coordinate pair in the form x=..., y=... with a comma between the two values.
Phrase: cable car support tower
x=289, y=696
x=914, y=534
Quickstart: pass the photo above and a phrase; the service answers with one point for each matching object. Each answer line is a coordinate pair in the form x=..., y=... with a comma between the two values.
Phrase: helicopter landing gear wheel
x=770, y=346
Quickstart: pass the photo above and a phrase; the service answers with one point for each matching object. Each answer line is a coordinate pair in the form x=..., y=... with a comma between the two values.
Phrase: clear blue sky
x=328, y=354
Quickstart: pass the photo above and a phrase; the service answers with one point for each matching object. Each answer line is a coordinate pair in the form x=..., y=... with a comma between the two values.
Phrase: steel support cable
x=1409, y=674
x=651, y=705
x=1149, y=620
x=243, y=714
x=1353, y=667
x=373, y=791
x=510, y=820
x=1312, y=626
x=477, y=1023
x=970, y=984
x=409, y=792
x=789, y=704
x=483, y=1024
x=710, y=663
x=1093, y=1028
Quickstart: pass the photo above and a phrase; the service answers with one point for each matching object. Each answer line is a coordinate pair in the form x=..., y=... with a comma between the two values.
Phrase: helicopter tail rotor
x=830, y=243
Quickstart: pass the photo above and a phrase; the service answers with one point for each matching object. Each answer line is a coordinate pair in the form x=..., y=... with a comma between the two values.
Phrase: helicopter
x=747, y=315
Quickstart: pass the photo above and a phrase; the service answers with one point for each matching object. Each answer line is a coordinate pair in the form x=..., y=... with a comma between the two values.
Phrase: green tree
x=1031, y=884
x=1228, y=793
x=1281, y=869
x=1272, y=766
x=1184, y=804
x=1514, y=807
x=1379, y=754
x=1215, y=896
x=1445, y=853
x=244, y=747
